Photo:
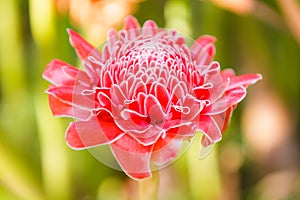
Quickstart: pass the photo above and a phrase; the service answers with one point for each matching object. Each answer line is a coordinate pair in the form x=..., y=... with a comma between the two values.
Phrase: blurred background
x=259, y=156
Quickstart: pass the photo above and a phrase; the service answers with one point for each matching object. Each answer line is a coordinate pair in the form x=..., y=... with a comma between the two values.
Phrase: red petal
x=184, y=130
x=203, y=47
x=60, y=73
x=131, y=23
x=134, y=105
x=202, y=93
x=73, y=96
x=84, y=134
x=206, y=55
x=205, y=141
x=235, y=95
x=82, y=47
x=162, y=94
x=107, y=79
x=227, y=73
x=63, y=74
x=72, y=137
x=177, y=93
x=104, y=99
x=223, y=119
x=137, y=87
x=147, y=136
x=196, y=78
x=61, y=109
x=230, y=98
x=166, y=149
x=132, y=26
x=117, y=95
x=154, y=110
x=112, y=35
x=201, y=42
x=244, y=80
x=188, y=111
x=149, y=28
x=215, y=78
x=210, y=128
x=132, y=157
x=65, y=94
x=176, y=117
x=132, y=121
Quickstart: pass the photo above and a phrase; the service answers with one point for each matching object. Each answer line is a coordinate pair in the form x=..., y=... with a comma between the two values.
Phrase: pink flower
x=144, y=94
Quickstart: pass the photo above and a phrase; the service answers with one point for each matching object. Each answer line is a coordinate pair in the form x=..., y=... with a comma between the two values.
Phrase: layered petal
x=131, y=23
x=132, y=26
x=183, y=130
x=209, y=127
x=154, y=110
x=84, y=134
x=166, y=149
x=230, y=97
x=60, y=73
x=133, y=158
x=73, y=96
x=82, y=47
x=222, y=120
x=244, y=80
x=203, y=50
x=144, y=95
x=61, y=109
x=149, y=28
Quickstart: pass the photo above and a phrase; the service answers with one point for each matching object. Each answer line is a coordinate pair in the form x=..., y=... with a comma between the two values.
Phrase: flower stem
x=148, y=188
x=204, y=175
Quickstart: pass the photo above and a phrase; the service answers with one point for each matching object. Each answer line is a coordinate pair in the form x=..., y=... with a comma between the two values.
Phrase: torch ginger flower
x=144, y=94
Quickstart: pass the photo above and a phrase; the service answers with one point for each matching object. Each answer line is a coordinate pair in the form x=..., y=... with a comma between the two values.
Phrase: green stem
x=148, y=188
x=204, y=175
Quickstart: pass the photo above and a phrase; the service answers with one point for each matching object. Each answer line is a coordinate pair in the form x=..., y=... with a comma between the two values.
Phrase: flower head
x=144, y=94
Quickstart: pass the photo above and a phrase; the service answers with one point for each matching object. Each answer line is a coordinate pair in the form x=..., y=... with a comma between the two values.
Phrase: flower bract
x=143, y=94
